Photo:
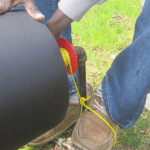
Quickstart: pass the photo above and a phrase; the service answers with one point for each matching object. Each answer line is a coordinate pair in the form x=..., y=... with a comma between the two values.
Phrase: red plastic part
x=63, y=43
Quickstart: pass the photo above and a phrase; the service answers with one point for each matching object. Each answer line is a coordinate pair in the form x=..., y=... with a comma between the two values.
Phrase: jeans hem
x=107, y=98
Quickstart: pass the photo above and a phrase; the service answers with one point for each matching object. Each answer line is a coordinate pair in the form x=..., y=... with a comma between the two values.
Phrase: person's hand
x=57, y=23
x=6, y=5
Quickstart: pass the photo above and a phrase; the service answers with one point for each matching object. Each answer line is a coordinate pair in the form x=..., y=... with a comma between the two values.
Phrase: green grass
x=138, y=137
x=104, y=32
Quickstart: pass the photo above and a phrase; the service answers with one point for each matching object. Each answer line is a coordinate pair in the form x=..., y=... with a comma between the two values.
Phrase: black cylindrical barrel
x=34, y=92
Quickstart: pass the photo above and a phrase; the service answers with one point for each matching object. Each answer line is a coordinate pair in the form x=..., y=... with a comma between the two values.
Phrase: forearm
x=58, y=23
x=69, y=10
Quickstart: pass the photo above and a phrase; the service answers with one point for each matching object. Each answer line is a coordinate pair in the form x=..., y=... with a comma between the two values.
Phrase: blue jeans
x=48, y=7
x=127, y=82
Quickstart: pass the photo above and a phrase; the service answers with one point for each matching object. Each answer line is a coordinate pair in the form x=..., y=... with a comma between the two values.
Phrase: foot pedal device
x=66, y=48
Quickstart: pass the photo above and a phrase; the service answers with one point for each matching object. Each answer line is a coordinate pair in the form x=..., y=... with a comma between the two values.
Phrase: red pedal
x=63, y=43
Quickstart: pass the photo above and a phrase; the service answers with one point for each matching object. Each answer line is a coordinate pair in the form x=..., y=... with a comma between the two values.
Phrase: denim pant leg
x=48, y=7
x=127, y=82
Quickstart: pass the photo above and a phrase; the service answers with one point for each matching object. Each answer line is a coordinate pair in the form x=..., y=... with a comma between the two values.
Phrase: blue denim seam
x=108, y=97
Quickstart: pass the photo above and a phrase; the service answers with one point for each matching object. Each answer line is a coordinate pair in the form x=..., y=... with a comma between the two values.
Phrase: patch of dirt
x=120, y=18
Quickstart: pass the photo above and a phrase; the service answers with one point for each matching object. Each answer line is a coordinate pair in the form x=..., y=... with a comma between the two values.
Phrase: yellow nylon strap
x=67, y=62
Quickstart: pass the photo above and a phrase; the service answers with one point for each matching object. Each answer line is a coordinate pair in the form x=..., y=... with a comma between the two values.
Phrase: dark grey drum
x=34, y=91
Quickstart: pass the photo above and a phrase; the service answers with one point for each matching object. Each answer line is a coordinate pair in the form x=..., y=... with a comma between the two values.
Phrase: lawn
x=104, y=32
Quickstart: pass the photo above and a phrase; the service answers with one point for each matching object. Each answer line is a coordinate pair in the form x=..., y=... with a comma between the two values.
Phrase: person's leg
x=122, y=97
x=127, y=82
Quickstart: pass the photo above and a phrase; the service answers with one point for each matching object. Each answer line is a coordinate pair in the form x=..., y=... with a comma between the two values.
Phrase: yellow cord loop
x=67, y=62
x=66, y=57
x=82, y=102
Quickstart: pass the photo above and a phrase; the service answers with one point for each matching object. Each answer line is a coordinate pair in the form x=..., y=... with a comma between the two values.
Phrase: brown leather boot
x=90, y=132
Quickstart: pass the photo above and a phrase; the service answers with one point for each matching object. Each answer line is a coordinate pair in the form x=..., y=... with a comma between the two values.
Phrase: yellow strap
x=67, y=62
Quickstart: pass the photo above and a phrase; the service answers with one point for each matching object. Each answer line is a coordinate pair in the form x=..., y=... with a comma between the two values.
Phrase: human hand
x=6, y=5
